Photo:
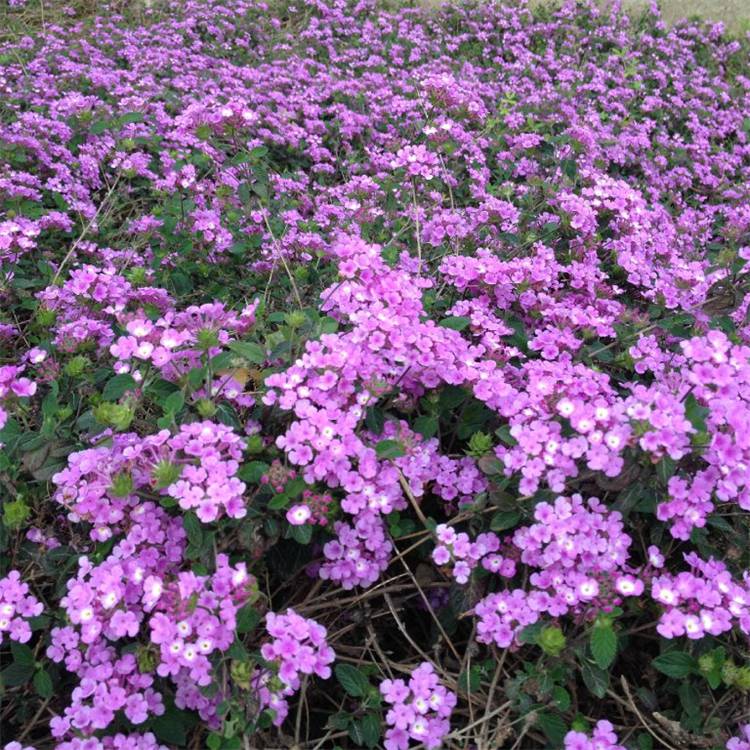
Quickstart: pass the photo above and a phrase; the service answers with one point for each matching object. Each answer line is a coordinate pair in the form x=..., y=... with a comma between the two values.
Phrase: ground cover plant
x=373, y=376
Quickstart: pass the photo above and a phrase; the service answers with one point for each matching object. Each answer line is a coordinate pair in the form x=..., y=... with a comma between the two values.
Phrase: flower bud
x=552, y=640
x=479, y=444
x=77, y=366
x=207, y=339
x=206, y=408
x=240, y=673
x=122, y=485
x=165, y=473
x=15, y=513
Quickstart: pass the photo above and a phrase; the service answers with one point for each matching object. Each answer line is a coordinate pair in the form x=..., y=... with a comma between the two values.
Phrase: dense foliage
x=373, y=377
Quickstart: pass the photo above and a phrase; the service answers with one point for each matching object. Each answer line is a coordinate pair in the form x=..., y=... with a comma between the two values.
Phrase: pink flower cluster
x=360, y=552
x=17, y=606
x=704, y=600
x=602, y=738
x=557, y=395
x=574, y=542
x=742, y=741
x=177, y=342
x=139, y=591
x=96, y=303
x=209, y=455
x=297, y=647
x=417, y=161
x=200, y=462
x=119, y=741
x=648, y=245
x=457, y=551
x=90, y=301
x=330, y=387
x=13, y=385
x=580, y=555
x=17, y=237
x=420, y=709
x=99, y=485
x=717, y=374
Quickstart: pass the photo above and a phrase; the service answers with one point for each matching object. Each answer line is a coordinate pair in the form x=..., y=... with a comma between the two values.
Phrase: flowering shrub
x=373, y=376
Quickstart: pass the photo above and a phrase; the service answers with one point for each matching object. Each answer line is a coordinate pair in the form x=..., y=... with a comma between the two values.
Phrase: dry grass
x=734, y=13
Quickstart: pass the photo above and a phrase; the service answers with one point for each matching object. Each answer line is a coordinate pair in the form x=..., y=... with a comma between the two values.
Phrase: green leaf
x=249, y=350
x=159, y=389
x=569, y=168
x=340, y=720
x=352, y=680
x=696, y=413
x=603, y=644
x=402, y=528
x=491, y=465
x=426, y=426
x=716, y=659
x=295, y=487
x=457, y=323
x=247, y=619
x=553, y=726
x=370, y=729
x=171, y=727
x=665, y=469
x=355, y=733
x=117, y=387
x=16, y=674
x=98, y=127
x=561, y=697
x=253, y=471
x=451, y=397
x=375, y=419
x=595, y=679
x=15, y=513
x=503, y=433
x=130, y=117
x=301, y=534
x=50, y=404
x=689, y=698
x=469, y=681
x=390, y=255
x=675, y=664
x=505, y=519
x=328, y=325
x=390, y=449
x=277, y=502
x=174, y=402
x=43, y=684
x=194, y=529
x=222, y=361
x=238, y=652
x=22, y=654
x=530, y=634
